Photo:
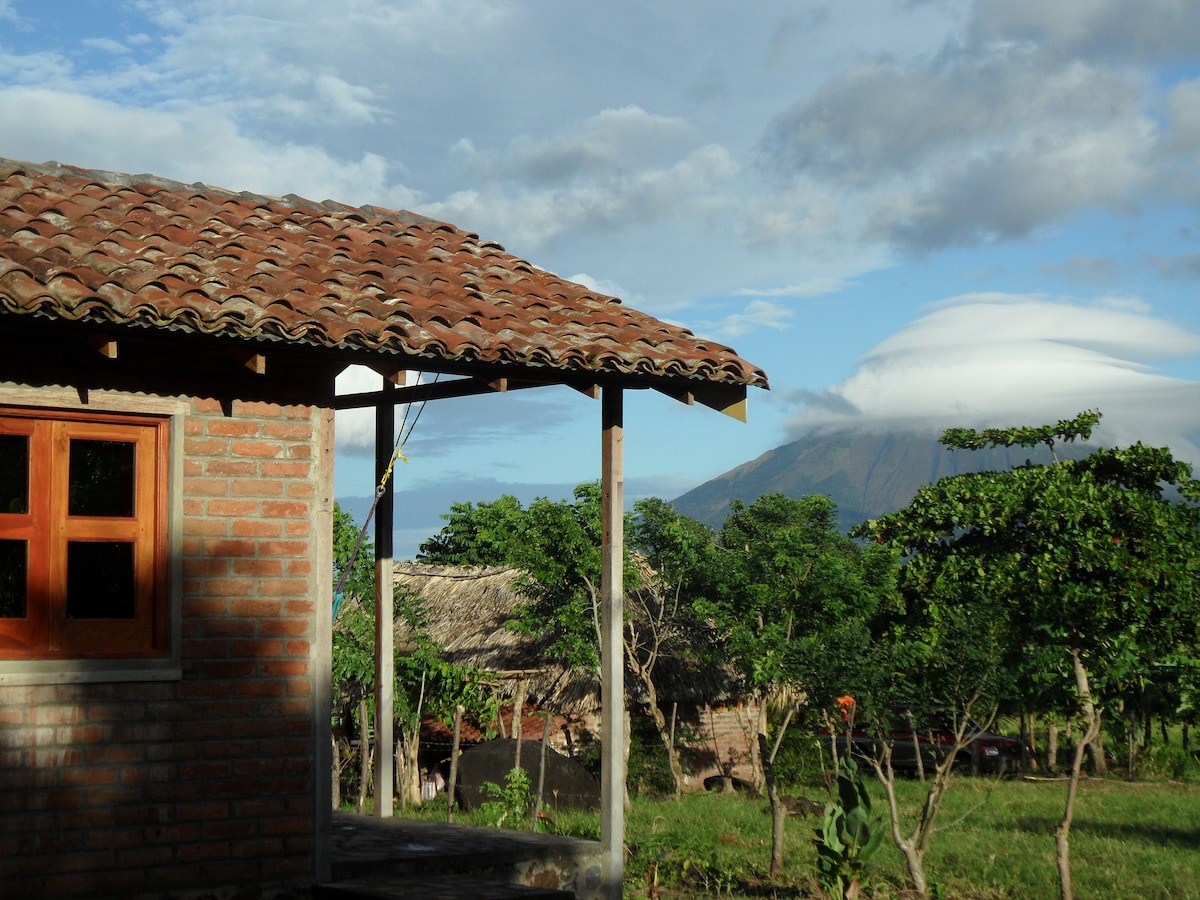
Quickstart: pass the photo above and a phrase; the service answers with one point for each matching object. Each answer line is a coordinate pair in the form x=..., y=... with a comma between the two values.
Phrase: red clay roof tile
x=135, y=249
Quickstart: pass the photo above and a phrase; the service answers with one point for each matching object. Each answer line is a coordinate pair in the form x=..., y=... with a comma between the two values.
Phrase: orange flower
x=846, y=705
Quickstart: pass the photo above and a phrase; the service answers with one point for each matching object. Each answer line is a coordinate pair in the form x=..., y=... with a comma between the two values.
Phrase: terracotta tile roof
x=109, y=248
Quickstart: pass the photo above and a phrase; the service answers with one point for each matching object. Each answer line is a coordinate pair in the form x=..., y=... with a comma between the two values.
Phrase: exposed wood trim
x=435, y=390
x=612, y=647
x=729, y=399
x=686, y=397
x=321, y=647
x=103, y=344
x=392, y=372
x=592, y=391
x=257, y=363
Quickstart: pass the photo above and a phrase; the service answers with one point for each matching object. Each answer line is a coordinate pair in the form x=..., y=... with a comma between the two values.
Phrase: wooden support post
x=612, y=648
x=385, y=635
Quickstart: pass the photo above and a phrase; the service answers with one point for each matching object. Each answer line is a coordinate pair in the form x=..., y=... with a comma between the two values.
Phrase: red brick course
x=132, y=788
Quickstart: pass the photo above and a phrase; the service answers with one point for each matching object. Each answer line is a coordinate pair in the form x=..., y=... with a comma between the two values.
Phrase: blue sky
x=913, y=213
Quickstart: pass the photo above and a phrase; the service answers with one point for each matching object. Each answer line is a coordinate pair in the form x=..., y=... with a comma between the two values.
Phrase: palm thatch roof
x=469, y=610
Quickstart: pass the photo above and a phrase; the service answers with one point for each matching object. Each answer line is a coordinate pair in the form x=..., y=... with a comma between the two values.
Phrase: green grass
x=996, y=842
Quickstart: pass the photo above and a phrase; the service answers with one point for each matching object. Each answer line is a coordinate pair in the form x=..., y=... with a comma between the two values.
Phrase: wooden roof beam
x=435, y=390
x=729, y=399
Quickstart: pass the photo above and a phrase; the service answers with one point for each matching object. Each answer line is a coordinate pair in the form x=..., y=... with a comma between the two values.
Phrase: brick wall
x=163, y=788
x=719, y=736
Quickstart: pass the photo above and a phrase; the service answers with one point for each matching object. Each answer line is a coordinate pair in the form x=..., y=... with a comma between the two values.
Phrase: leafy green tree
x=661, y=616
x=353, y=557
x=557, y=545
x=796, y=600
x=796, y=603
x=1097, y=560
x=476, y=534
x=425, y=684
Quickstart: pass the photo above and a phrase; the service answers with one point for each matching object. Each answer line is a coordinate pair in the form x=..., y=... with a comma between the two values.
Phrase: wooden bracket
x=591, y=391
x=256, y=363
x=393, y=372
x=103, y=344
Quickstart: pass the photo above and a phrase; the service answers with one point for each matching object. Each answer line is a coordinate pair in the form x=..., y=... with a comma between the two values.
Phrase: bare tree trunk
x=1062, y=833
x=517, y=721
x=778, y=810
x=911, y=847
x=1131, y=742
x=1094, y=741
x=756, y=758
x=336, y=757
x=364, y=754
x=1052, y=746
x=408, y=769
x=1096, y=748
x=665, y=734
x=916, y=742
x=628, y=744
x=1028, y=740
x=450, y=787
x=400, y=767
x=541, y=782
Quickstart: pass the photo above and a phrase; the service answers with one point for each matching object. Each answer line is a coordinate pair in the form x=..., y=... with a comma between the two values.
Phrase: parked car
x=984, y=753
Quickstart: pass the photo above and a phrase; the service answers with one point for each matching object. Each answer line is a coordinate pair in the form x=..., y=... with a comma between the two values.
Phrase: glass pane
x=13, y=579
x=101, y=478
x=14, y=473
x=99, y=580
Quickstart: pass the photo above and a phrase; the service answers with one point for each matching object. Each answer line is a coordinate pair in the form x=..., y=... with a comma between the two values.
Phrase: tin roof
x=135, y=249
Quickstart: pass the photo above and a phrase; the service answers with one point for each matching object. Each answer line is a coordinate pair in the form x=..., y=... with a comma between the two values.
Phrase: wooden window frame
x=47, y=632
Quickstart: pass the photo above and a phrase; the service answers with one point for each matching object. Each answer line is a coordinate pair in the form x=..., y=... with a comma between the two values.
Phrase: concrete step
x=390, y=858
x=432, y=887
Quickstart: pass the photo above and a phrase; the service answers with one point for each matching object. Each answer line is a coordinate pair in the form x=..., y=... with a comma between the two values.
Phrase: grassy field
x=1129, y=840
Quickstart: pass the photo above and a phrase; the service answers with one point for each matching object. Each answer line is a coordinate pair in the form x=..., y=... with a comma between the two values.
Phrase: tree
x=662, y=618
x=793, y=596
x=795, y=602
x=1094, y=559
x=476, y=534
x=557, y=545
x=424, y=683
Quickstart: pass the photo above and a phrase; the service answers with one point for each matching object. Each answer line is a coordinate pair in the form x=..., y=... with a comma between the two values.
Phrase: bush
x=649, y=771
x=798, y=761
x=1169, y=761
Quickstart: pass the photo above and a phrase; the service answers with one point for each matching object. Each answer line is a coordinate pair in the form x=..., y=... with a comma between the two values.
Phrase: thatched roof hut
x=469, y=609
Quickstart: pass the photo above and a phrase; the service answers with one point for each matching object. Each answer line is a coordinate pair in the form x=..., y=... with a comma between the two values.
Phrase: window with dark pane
x=101, y=478
x=100, y=583
x=14, y=473
x=14, y=556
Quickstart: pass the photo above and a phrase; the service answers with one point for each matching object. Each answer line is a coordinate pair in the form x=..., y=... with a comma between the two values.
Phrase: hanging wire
x=402, y=436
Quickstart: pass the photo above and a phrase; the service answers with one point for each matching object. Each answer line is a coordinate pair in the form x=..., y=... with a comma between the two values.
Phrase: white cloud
x=612, y=142
x=967, y=148
x=757, y=316
x=107, y=45
x=814, y=287
x=995, y=359
x=195, y=144
x=1111, y=30
x=584, y=184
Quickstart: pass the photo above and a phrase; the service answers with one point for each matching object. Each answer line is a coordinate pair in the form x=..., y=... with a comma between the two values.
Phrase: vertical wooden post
x=321, y=654
x=385, y=634
x=612, y=663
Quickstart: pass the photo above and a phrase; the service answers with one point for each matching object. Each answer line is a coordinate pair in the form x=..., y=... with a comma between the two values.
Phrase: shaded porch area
x=394, y=857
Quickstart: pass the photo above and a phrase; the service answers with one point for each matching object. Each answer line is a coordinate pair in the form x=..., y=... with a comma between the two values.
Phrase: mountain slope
x=866, y=474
